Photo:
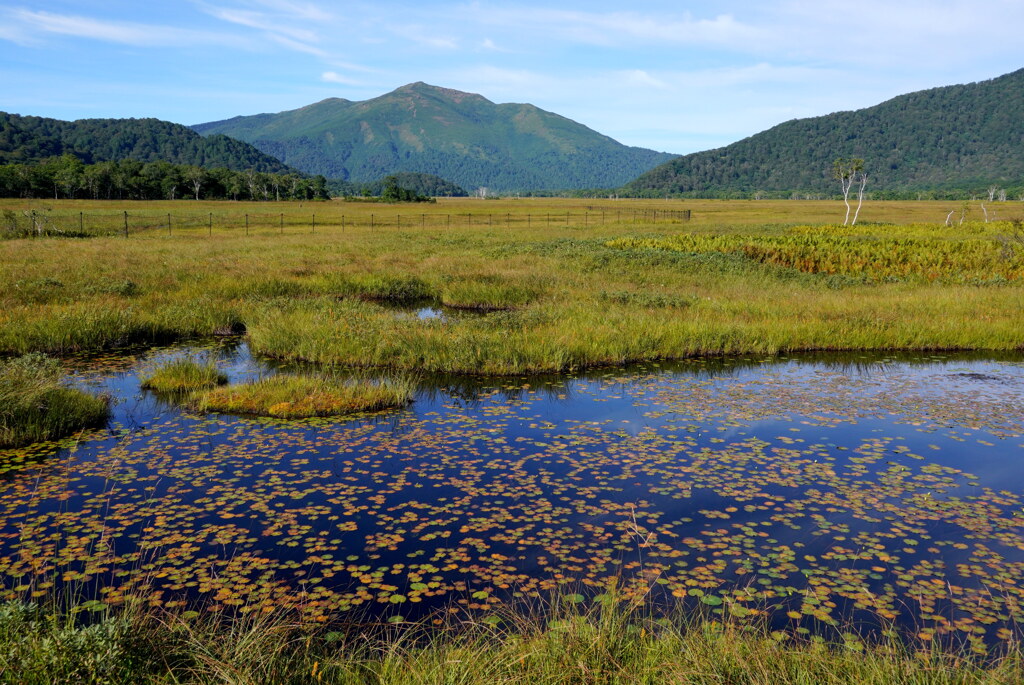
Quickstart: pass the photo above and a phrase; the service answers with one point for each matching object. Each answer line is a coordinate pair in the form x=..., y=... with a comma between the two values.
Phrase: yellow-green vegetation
x=34, y=406
x=973, y=255
x=292, y=396
x=184, y=375
x=602, y=645
x=617, y=281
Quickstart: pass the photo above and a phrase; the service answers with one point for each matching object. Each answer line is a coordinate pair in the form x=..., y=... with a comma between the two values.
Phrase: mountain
x=26, y=139
x=952, y=137
x=461, y=137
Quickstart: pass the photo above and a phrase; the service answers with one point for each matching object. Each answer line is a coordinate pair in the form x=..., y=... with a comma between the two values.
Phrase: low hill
x=952, y=137
x=462, y=137
x=27, y=139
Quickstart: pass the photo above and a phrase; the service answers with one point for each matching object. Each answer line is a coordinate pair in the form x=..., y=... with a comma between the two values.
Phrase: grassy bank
x=604, y=645
x=601, y=288
x=34, y=406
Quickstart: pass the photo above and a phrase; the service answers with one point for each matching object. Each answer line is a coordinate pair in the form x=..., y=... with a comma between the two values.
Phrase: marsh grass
x=750, y=278
x=183, y=375
x=561, y=644
x=487, y=292
x=34, y=406
x=293, y=396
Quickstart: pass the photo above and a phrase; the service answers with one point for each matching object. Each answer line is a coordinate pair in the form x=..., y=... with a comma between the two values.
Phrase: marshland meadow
x=510, y=440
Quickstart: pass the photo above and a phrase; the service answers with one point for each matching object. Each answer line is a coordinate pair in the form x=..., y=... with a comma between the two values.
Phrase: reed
x=34, y=406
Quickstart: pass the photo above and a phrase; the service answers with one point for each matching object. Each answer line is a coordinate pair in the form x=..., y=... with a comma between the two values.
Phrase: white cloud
x=299, y=10
x=257, y=20
x=125, y=33
x=335, y=77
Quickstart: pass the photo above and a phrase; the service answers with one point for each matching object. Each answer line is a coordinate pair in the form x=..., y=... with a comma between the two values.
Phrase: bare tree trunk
x=949, y=216
x=860, y=196
x=847, y=183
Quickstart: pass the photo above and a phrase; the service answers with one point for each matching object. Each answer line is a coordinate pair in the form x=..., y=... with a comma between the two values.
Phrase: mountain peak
x=461, y=137
x=425, y=89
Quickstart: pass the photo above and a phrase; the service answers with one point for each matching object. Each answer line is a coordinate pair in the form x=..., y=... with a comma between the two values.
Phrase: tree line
x=66, y=176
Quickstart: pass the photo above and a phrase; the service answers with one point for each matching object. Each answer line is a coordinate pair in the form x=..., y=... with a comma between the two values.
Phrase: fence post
x=168, y=223
x=586, y=219
x=125, y=224
x=81, y=223
x=399, y=221
x=371, y=221
x=470, y=218
x=342, y=223
x=282, y=223
x=448, y=221
x=314, y=223
x=423, y=221
x=247, y=224
x=209, y=223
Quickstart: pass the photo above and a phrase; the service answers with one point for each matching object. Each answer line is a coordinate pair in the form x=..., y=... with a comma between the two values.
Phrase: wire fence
x=33, y=223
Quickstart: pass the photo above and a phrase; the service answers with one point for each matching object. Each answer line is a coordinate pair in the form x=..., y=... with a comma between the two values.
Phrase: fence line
x=34, y=223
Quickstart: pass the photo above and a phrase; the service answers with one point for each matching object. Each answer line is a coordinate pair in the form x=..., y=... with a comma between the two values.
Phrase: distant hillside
x=26, y=139
x=952, y=137
x=461, y=137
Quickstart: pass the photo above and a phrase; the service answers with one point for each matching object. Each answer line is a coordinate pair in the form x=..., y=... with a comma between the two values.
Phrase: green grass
x=35, y=407
x=742, y=277
x=561, y=646
x=183, y=375
x=289, y=396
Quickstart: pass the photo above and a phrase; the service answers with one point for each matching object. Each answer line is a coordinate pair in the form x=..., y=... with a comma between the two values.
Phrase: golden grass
x=576, y=301
x=289, y=396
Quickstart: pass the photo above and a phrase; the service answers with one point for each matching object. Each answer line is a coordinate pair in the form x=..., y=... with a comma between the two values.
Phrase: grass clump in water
x=184, y=375
x=486, y=293
x=289, y=396
x=35, y=407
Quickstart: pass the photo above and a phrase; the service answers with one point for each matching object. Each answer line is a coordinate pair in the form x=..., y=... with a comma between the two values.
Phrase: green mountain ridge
x=951, y=137
x=29, y=139
x=462, y=137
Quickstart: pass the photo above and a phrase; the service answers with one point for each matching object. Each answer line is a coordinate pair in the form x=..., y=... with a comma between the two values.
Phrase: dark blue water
x=856, y=491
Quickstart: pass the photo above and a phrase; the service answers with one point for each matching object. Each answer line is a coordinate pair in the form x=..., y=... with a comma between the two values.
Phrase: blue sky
x=675, y=76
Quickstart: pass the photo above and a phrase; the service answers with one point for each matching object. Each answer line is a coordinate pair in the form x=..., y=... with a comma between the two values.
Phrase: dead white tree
x=849, y=172
x=992, y=190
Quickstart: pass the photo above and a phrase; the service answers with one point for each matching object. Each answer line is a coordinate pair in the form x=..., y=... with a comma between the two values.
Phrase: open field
x=565, y=289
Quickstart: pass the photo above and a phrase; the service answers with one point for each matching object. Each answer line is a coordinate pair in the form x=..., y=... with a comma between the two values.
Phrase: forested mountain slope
x=461, y=137
x=952, y=137
x=26, y=139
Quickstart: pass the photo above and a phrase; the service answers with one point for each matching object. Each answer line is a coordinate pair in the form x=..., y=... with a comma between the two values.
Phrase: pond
x=864, y=491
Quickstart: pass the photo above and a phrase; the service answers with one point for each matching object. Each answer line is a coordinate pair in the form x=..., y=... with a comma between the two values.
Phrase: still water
x=860, y=491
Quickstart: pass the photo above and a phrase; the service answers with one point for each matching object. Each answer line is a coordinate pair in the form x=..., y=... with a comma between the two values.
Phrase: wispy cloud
x=125, y=33
x=335, y=77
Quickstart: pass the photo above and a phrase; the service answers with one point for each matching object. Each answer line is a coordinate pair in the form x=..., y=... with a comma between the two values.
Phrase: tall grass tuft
x=290, y=396
x=184, y=375
x=34, y=406
x=608, y=643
